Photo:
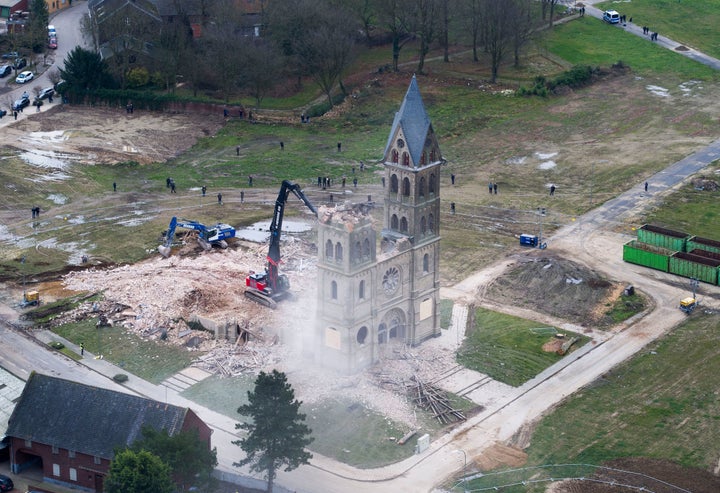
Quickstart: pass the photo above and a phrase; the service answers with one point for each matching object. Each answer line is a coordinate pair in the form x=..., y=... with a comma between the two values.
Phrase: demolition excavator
x=270, y=286
x=207, y=236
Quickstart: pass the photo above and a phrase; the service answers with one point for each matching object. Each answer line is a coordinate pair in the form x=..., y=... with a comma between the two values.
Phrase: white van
x=611, y=16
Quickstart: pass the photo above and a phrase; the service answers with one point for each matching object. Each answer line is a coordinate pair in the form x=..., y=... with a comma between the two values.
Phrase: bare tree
x=445, y=28
x=523, y=26
x=471, y=12
x=366, y=15
x=227, y=62
x=262, y=68
x=549, y=5
x=424, y=24
x=317, y=38
x=288, y=23
x=174, y=45
x=124, y=35
x=497, y=32
x=395, y=15
x=328, y=50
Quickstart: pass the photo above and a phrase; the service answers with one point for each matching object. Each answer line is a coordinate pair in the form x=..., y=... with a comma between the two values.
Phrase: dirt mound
x=656, y=475
x=499, y=455
x=555, y=286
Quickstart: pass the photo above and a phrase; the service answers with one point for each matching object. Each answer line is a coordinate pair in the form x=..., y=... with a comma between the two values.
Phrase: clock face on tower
x=391, y=280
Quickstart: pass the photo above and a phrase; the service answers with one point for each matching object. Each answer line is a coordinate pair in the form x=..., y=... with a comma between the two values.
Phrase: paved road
x=67, y=22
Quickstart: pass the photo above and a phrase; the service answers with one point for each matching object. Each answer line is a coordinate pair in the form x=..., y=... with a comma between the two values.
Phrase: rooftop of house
x=86, y=419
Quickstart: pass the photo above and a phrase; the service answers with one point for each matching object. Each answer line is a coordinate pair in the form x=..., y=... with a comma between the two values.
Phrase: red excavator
x=270, y=286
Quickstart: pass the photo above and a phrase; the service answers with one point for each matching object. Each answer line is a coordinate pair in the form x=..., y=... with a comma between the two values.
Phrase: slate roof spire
x=413, y=121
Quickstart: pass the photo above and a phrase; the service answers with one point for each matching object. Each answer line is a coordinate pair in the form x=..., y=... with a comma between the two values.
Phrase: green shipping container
x=706, y=244
x=694, y=266
x=666, y=238
x=646, y=255
x=704, y=253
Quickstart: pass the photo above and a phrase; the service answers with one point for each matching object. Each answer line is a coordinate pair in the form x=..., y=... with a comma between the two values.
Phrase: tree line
x=304, y=39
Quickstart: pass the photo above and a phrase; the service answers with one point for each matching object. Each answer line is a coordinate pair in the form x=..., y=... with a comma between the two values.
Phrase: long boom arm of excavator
x=273, y=256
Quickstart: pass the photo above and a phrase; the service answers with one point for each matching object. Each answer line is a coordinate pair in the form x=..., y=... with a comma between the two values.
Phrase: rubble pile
x=160, y=297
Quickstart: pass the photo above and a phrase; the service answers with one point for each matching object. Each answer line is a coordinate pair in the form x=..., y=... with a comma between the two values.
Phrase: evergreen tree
x=138, y=472
x=276, y=434
x=191, y=461
x=84, y=71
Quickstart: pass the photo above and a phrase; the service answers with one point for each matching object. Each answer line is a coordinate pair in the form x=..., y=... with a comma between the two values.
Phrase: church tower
x=369, y=298
x=412, y=163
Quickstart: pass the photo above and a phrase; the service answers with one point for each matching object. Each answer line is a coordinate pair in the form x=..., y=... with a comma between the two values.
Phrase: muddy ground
x=106, y=136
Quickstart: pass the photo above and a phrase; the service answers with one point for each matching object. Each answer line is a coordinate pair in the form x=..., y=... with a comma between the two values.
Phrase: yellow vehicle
x=688, y=304
x=31, y=298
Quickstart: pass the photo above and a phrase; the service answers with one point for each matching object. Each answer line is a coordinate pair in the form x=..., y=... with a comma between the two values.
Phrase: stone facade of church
x=371, y=292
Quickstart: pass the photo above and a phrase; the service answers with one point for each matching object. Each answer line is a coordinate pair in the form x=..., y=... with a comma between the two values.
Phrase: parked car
x=22, y=102
x=52, y=43
x=20, y=63
x=24, y=77
x=46, y=93
x=3, y=113
x=51, y=30
x=6, y=484
x=12, y=54
x=5, y=70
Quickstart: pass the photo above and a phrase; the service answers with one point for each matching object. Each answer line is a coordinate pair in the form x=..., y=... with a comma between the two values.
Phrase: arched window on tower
x=329, y=249
x=431, y=223
x=366, y=248
x=431, y=183
x=406, y=187
x=406, y=159
x=358, y=252
x=333, y=290
x=395, y=156
x=423, y=225
x=421, y=187
x=338, y=252
x=433, y=155
x=423, y=158
x=394, y=183
x=404, y=225
x=426, y=263
x=361, y=290
x=394, y=222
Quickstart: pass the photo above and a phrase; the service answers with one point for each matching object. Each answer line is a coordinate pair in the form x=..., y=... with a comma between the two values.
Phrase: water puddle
x=260, y=231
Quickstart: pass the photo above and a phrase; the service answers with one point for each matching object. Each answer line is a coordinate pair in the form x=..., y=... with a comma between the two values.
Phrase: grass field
x=689, y=209
x=691, y=23
x=670, y=407
x=509, y=349
x=149, y=360
x=342, y=429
